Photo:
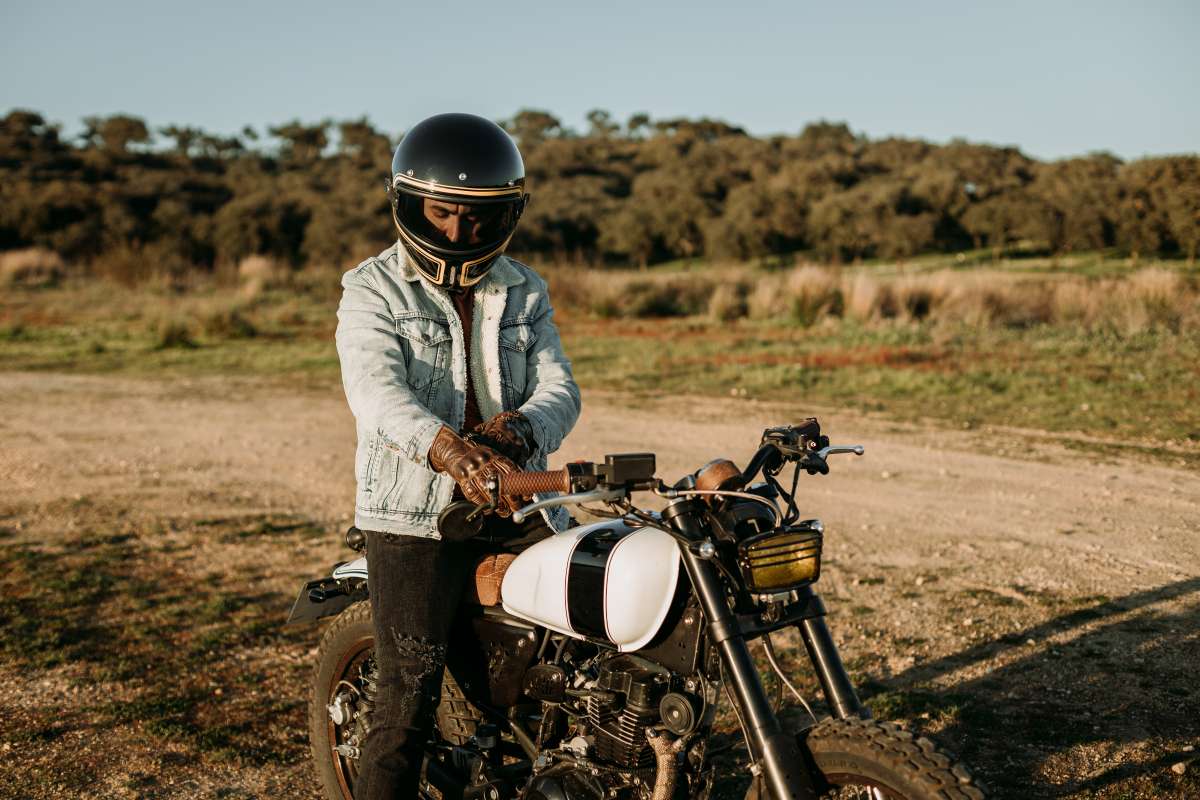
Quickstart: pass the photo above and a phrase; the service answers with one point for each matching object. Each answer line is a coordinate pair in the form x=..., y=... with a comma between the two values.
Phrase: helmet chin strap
x=452, y=284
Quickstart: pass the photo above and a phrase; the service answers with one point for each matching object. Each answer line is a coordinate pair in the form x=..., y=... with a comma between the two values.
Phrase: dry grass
x=1057, y=350
x=256, y=274
x=1142, y=300
x=728, y=302
x=255, y=296
x=31, y=268
x=620, y=293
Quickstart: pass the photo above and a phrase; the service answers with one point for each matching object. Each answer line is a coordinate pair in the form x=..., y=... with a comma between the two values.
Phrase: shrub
x=803, y=295
x=134, y=264
x=612, y=295
x=728, y=302
x=862, y=297
x=768, y=298
x=172, y=332
x=652, y=299
x=228, y=322
x=814, y=293
x=807, y=295
x=577, y=287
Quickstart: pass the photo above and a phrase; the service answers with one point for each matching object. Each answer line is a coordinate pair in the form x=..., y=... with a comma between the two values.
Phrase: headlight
x=782, y=560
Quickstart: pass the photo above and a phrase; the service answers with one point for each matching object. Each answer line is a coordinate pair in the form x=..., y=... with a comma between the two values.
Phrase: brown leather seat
x=489, y=572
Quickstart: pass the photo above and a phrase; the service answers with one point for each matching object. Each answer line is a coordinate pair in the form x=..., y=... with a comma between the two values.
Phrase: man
x=455, y=373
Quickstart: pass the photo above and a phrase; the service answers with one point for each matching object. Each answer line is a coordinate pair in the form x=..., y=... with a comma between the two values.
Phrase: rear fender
x=327, y=597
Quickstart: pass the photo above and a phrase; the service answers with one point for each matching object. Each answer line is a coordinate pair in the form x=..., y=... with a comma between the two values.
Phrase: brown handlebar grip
x=526, y=484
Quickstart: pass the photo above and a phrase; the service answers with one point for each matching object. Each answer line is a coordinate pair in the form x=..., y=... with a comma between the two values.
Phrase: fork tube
x=835, y=683
x=775, y=751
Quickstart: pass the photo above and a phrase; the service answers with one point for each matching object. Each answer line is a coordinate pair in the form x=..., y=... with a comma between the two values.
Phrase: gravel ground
x=1031, y=607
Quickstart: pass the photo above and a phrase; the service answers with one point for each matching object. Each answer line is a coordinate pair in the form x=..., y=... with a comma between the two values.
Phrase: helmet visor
x=457, y=231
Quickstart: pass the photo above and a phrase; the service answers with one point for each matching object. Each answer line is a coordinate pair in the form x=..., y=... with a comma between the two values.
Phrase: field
x=1085, y=347
x=1012, y=568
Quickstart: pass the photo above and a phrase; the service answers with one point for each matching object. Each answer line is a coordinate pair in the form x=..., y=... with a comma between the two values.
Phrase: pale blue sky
x=1054, y=78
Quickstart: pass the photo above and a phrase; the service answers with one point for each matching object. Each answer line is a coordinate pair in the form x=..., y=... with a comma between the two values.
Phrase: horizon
x=266, y=143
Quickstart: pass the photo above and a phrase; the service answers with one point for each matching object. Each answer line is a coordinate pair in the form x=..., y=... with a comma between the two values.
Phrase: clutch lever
x=599, y=494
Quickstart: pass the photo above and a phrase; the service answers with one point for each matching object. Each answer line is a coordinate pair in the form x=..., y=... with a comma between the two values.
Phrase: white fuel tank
x=608, y=581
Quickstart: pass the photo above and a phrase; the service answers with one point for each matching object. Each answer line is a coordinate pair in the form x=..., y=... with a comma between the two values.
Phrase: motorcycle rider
x=454, y=370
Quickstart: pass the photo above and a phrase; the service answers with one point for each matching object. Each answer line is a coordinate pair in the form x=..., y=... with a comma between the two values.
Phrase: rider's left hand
x=509, y=433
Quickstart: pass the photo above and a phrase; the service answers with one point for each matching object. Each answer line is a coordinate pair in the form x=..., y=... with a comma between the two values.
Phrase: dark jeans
x=416, y=588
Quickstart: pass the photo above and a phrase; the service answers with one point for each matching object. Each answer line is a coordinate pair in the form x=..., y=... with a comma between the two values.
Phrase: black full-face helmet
x=460, y=159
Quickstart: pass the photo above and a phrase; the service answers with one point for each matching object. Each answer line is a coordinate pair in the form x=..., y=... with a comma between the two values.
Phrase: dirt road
x=1031, y=607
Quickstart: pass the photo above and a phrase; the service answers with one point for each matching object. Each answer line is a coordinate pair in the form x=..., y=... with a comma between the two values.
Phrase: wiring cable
x=769, y=648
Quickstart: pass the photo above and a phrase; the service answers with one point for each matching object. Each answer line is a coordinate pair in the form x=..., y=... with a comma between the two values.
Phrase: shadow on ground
x=130, y=647
x=1097, y=702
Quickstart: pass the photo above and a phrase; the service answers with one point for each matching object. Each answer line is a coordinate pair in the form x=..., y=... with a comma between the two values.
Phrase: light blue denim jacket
x=404, y=369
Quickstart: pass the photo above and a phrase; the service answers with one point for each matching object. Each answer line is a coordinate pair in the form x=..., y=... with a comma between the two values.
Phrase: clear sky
x=1054, y=78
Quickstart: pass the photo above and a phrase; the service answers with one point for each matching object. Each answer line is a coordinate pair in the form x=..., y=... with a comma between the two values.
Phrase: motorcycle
x=611, y=645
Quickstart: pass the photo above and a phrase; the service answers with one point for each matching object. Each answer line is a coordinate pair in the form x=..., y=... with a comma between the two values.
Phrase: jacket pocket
x=384, y=477
x=426, y=343
x=390, y=475
x=515, y=340
x=396, y=486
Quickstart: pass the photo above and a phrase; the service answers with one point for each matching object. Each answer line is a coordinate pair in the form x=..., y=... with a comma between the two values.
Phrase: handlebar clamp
x=796, y=442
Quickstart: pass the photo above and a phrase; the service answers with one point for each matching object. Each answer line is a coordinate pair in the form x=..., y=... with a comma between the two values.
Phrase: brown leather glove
x=509, y=433
x=472, y=466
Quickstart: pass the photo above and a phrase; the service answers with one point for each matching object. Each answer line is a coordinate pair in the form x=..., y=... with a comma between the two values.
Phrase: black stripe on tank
x=585, y=583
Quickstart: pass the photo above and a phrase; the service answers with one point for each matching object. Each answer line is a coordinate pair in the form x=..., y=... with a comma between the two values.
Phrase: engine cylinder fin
x=622, y=737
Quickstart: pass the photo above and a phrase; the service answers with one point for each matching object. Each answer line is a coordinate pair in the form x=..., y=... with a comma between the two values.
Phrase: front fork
x=835, y=683
x=778, y=754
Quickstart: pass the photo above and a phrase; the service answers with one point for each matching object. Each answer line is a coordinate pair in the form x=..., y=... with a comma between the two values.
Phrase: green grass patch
x=1128, y=387
x=1145, y=386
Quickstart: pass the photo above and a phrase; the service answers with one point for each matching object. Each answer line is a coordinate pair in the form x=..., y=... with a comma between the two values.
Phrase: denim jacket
x=404, y=370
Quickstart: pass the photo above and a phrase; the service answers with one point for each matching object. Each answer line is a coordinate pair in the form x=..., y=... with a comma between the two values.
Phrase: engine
x=594, y=733
x=624, y=703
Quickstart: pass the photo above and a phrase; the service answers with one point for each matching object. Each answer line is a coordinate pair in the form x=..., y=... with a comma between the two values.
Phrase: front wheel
x=862, y=758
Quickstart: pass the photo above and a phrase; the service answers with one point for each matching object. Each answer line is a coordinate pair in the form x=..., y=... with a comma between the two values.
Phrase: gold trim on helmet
x=466, y=267
x=464, y=191
x=441, y=262
x=464, y=270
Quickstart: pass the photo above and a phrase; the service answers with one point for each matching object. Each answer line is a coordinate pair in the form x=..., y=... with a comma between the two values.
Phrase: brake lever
x=835, y=449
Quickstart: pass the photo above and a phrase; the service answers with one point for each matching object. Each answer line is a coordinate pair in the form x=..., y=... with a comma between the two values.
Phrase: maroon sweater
x=464, y=304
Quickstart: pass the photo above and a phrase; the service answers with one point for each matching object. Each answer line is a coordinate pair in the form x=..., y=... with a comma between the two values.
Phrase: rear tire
x=346, y=646
x=857, y=755
x=345, y=650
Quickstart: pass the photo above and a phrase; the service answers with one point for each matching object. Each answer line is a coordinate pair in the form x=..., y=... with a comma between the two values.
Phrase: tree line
x=641, y=191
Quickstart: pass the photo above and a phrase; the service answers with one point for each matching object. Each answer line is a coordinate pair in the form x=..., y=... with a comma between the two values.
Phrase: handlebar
x=576, y=483
x=527, y=484
x=584, y=482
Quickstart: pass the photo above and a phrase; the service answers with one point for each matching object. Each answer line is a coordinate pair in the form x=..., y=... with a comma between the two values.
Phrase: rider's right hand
x=473, y=467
